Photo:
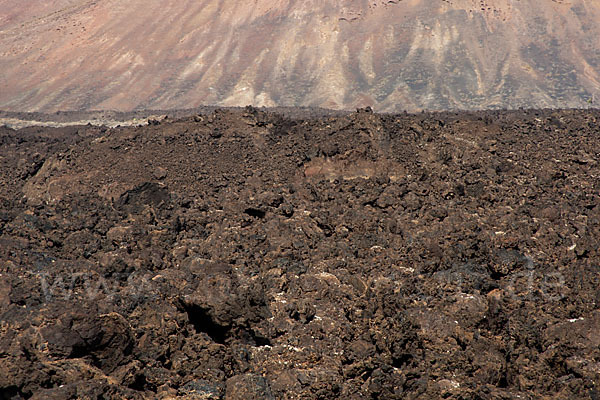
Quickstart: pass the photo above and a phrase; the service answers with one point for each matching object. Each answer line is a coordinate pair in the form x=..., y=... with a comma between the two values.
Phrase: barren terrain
x=391, y=55
x=248, y=254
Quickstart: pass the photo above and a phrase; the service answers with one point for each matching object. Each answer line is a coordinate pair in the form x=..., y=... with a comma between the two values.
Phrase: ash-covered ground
x=250, y=254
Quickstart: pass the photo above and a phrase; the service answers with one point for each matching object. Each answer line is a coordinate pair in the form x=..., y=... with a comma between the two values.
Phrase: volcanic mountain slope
x=394, y=55
x=244, y=255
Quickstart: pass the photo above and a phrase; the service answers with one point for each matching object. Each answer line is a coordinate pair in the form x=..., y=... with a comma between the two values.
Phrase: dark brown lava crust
x=248, y=254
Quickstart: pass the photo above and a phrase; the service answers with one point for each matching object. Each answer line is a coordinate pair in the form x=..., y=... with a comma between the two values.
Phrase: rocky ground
x=114, y=119
x=245, y=254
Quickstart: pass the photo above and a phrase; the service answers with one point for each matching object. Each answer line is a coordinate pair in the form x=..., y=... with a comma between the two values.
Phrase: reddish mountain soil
x=248, y=254
x=393, y=55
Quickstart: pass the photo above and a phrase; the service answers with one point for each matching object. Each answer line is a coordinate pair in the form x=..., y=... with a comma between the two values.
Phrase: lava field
x=261, y=254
